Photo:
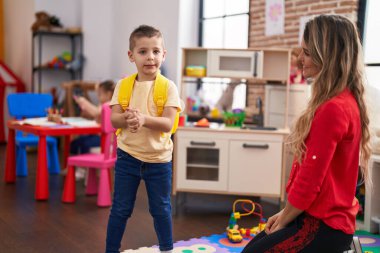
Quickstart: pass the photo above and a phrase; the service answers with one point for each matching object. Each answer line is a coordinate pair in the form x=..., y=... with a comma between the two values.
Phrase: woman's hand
x=282, y=219
x=271, y=222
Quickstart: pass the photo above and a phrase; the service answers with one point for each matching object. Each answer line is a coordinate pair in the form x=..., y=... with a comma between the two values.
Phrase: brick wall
x=294, y=9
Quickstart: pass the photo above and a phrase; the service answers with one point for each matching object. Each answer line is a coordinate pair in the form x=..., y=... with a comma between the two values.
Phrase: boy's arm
x=163, y=123
x=119, y=117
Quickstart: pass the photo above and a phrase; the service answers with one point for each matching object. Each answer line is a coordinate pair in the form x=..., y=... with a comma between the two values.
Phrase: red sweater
x=324, y=184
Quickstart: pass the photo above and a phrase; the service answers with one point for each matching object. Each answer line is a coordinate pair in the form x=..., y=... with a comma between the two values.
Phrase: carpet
x=220, y=244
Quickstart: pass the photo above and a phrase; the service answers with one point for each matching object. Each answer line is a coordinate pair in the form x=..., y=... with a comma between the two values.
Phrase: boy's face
x=148, y=55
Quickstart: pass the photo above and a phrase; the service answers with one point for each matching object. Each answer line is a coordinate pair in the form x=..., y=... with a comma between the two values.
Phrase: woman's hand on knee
x=272, y=221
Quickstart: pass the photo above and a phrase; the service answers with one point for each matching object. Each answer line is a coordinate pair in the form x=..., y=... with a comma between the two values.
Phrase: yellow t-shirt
x=147, y=145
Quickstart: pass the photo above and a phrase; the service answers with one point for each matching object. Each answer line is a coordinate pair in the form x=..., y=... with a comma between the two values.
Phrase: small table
x=42, y=190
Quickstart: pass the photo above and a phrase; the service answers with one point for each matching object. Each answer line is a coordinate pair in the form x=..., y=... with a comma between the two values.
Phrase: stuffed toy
x=45, y=22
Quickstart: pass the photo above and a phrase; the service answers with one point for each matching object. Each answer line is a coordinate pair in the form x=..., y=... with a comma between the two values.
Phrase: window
x=371, y=42
x=223, y=24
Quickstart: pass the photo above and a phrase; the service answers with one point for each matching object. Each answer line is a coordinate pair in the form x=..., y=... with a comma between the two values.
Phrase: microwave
x=235, y=63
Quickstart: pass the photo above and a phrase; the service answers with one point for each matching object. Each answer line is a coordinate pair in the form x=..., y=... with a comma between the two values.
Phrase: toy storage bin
x=234, y=119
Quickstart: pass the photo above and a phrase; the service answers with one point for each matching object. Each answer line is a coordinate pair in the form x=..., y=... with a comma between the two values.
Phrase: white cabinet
x=204, y=163
x=255, y=167
x=372, y=198
x=229, y=161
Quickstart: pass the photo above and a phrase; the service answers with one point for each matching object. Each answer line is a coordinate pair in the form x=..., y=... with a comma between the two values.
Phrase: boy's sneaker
x=80, y=173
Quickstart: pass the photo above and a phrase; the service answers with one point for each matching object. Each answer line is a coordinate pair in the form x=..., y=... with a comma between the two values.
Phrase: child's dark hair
x=143, y=31
x=107, y=85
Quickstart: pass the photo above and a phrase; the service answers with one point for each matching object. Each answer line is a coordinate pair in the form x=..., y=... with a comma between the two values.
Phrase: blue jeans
x=158, y=180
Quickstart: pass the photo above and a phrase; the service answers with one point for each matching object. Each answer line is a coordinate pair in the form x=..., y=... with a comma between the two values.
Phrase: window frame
x=202, y=19
x=361, y=24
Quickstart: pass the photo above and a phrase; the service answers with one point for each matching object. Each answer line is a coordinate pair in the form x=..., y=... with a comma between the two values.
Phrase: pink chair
x=103, y=161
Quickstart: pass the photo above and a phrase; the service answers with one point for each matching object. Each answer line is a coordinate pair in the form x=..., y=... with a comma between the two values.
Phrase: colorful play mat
x=220, y=244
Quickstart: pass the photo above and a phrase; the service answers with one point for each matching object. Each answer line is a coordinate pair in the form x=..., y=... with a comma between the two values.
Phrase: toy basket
x=233, y=119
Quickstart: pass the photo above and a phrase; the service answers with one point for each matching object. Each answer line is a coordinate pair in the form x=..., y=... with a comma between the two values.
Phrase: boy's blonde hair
x=144, y=31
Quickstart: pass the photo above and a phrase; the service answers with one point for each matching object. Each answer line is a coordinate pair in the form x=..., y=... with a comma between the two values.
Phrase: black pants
x=305, y=234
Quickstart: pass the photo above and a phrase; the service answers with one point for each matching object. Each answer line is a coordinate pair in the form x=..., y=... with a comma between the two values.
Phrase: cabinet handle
x=202, y=143
x=259, y=146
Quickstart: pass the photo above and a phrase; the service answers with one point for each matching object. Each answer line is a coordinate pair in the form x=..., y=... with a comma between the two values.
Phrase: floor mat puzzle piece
x=219, y=243
x=222, y=241
x=195, y=245
x=370, y=242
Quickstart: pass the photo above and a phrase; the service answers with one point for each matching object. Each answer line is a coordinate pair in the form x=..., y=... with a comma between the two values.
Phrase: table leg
x=66, y=152
x=42, y=182
x=10, y=162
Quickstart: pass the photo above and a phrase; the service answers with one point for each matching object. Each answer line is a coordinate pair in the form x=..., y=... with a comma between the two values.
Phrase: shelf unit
x=372, y=198
x=273, y=63
x=230, y=160
x=76, y=40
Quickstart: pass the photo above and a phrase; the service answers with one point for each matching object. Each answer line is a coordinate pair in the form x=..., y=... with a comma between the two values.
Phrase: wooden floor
x=29, y=226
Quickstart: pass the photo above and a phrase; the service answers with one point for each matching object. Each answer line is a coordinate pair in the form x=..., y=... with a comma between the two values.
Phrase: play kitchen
x=225, y=142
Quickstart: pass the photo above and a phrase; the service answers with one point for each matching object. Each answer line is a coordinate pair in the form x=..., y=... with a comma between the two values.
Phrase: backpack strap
x=160, y=96
x=160, y=93
x=125, y=92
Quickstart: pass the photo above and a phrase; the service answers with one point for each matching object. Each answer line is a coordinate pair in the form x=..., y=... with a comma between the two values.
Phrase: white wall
x=106, y=26
x=18, y=18
x=187, y=33
x=128, y=15
x=68, y=11
x=98, y=32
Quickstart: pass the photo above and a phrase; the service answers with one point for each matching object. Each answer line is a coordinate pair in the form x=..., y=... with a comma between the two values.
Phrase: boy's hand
x=136, y=121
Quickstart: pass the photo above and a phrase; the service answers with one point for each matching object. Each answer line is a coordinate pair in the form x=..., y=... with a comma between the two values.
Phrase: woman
x=330, y=140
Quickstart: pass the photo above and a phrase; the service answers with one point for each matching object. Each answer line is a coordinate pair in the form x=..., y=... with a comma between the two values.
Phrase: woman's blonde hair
x=335, y=49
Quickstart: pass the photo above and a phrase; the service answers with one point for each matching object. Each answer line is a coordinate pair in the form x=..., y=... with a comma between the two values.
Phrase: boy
x=144, y=143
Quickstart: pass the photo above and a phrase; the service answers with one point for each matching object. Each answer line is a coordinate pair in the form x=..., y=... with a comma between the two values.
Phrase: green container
x=234, y=119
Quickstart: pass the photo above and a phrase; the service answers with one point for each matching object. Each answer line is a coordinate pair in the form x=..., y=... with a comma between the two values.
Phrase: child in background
x=84, y=143
x=296, y=76
x=144, y=143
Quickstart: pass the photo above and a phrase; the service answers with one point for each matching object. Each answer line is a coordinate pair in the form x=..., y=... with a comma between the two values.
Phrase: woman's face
x=309, y=69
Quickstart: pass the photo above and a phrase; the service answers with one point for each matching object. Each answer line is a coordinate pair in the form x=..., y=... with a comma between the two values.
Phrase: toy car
x=234, y=236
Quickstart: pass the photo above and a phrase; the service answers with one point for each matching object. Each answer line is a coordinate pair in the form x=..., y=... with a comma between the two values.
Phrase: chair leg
x=68, y=195
x=92, y=182
x=54, y=166
x=104, y=193
x=21, y=162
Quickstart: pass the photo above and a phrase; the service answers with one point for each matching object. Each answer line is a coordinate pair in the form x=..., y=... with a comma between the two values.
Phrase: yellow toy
x=234, y=233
